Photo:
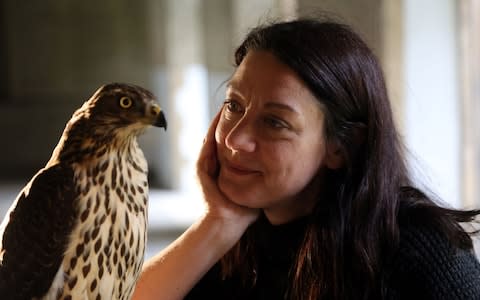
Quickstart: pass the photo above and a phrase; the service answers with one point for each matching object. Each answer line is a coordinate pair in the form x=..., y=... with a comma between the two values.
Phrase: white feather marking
x=56, y=286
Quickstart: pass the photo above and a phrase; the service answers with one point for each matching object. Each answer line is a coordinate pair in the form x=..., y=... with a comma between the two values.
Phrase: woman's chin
x=238, y=196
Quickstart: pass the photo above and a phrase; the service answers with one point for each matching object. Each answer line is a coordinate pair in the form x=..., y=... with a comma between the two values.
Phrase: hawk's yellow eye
x=125, y=102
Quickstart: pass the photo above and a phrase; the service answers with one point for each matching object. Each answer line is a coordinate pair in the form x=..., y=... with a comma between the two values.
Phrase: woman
x=307, y=188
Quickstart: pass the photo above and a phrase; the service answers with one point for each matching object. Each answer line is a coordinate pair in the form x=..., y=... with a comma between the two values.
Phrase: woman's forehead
x=262, y=76
x=261, y=71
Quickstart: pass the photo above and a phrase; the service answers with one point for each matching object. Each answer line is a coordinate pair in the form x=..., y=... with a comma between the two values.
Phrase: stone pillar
x=364, y=16
x=250, y=13
x=183, y=84
x=217, y=17
x=159, y=146
x=469, y=17
x=392, y=55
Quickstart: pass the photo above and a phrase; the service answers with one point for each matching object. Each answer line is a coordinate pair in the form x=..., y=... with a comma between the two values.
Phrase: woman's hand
x=236, y=218
x=173, y=272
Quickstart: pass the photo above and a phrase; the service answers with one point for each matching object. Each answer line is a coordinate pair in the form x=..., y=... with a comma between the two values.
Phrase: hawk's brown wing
x=37, y=234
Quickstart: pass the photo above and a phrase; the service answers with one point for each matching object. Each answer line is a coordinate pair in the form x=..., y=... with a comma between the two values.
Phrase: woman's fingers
x=207, y=161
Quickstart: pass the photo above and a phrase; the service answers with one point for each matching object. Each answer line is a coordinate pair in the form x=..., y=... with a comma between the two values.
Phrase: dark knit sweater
x=425, y=266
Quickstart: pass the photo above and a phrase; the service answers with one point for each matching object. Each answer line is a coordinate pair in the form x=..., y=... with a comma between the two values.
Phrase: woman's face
x=270, y=142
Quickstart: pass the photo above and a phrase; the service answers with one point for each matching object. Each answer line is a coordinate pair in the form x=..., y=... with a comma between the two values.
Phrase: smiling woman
x=270, y=119
x=307, y=190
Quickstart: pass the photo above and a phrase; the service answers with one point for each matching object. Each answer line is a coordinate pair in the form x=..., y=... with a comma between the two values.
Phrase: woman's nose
x=241, y=137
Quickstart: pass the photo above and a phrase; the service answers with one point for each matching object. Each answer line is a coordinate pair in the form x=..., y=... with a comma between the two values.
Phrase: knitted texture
x=427, y=266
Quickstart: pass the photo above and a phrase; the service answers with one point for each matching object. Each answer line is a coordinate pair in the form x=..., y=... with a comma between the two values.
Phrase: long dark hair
x=355, y=225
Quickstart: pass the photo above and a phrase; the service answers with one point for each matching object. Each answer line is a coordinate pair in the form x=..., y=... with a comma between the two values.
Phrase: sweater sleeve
x=213, y=287
x=208, y=287
x=427, y=266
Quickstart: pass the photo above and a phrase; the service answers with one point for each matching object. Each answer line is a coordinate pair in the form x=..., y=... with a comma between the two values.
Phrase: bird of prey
x=77, y=230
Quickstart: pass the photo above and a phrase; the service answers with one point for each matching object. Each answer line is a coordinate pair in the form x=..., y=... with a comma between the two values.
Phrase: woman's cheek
x=221, y=131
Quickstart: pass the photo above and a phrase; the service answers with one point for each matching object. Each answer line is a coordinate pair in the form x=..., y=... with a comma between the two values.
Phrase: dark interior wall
x=3, y=55
x=54, y=55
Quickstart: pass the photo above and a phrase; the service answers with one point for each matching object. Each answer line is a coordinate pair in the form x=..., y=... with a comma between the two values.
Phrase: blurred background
x=55, y=53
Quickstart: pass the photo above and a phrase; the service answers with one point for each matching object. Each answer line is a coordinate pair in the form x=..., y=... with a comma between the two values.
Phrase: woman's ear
x=334, y=158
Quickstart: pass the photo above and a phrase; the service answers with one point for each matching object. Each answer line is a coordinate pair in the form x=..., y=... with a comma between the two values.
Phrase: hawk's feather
x=37, y=233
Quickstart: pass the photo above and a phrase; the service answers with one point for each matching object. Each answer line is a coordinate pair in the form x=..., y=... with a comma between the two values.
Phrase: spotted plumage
x=78, y=228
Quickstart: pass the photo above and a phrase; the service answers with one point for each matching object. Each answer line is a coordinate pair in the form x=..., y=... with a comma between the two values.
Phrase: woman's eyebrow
x=272, y=104
x=281, y=106
x=231, y=84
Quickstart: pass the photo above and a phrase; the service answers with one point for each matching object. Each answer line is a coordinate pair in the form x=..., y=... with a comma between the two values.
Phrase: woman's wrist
x=225, y=231
x=175, y=270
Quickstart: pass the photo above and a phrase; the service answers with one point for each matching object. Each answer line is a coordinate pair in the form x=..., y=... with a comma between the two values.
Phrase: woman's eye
x=275, y=123
x=232, y=106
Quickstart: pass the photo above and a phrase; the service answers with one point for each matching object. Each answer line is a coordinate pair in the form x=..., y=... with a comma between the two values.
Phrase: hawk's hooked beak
x=160, y=120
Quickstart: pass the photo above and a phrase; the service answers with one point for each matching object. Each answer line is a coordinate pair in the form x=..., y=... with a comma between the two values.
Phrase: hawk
x=77, y=230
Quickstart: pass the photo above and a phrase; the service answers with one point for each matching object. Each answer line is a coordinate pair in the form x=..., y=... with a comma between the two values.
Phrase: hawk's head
x=122, y=106
x=116, y=113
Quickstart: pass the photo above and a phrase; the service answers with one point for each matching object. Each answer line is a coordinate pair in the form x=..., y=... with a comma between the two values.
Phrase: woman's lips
x=238, y=169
